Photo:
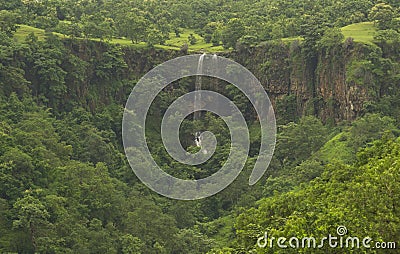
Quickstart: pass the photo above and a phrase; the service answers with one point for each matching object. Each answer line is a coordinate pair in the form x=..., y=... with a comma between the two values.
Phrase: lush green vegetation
x=66, y=68
x=174, y=43
x=204, y=25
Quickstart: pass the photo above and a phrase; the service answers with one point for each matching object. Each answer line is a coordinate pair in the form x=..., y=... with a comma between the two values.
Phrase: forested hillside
x=330, y=68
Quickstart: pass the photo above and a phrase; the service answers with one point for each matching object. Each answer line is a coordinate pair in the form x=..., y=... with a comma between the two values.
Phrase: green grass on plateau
x=174, y=43
x=361, y=32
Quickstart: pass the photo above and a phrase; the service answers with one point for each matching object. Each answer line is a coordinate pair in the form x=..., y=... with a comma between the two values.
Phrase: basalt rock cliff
x=338, y=85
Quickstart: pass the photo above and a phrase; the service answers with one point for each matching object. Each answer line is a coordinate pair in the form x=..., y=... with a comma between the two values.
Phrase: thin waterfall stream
x=197, y=98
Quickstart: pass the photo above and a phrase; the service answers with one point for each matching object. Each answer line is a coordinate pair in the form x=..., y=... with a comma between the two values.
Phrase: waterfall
x=214, y=60
x=214, y=64
x=197, y=98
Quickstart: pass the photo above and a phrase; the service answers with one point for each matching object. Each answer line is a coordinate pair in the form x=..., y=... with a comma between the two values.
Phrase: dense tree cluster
x=66, y=187
x=219, y=22
x=363, y=196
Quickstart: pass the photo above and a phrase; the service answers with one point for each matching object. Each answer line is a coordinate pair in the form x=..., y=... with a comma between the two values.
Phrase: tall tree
x=8, y=22
x=382, y=14
x=132, y=25
x=231, y=33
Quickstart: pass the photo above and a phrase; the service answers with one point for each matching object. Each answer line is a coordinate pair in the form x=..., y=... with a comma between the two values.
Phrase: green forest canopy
x=212, y=22
x=65, y=186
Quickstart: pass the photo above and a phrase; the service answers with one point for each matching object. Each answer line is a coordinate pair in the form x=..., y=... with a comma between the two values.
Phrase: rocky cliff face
x=322, y=90
x=295, y=86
